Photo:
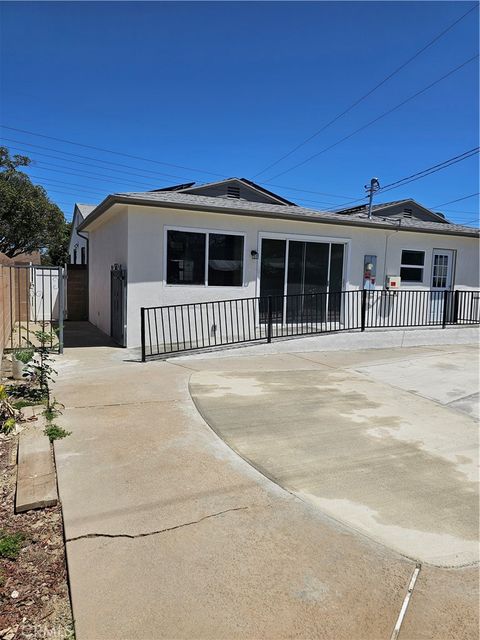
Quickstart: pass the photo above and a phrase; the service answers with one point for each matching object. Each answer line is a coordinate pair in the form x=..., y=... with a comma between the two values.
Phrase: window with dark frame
x=412, y=266
x=185, y=257
x=186, y=254
x=82, y=255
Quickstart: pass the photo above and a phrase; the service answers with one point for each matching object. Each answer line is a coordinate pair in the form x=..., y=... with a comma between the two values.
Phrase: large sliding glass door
x=302, y=270
x=272, y=277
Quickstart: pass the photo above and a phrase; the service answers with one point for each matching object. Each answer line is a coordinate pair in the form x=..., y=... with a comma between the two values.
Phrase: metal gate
x=118, y=304
x=32, y=299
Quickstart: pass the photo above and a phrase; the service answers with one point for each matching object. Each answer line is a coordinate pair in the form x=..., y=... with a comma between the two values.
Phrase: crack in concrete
x=152, y=533
x=121, y=404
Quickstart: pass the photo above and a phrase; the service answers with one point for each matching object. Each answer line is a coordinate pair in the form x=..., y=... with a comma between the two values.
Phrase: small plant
x=9, y=415
x=42, y=364
x=54, y=432
x=53, y=411
x=23, y=355
x=10, y=545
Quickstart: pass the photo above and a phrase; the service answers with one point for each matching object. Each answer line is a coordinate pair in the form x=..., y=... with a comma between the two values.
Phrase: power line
x=87, y=164
x=116, y=180
x=419, y=175
x=472, y=195
x=359, y=100
x=382, y=115
x=86, y=174
x=143, y=170
x=67, y=184
x=437, y=167
x=118, y=153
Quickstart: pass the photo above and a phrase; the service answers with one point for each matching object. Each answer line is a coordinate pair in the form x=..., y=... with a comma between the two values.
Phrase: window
x=225, y=260
x=82, y=255
x=411, y=268
x=187, y=259
x=74, y=259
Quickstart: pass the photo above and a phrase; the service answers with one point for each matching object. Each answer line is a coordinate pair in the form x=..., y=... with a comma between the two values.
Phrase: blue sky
x=226, y=88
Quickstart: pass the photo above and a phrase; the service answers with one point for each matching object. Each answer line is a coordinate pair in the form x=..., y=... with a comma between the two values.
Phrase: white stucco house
x=234, y=240
x=78, y=244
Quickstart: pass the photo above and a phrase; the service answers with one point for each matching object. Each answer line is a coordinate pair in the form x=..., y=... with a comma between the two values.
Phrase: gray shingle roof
x=226, y=205
x=85, y=209
x=381, y=205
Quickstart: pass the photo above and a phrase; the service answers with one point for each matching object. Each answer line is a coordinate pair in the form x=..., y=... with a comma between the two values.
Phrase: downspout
x=387, y=238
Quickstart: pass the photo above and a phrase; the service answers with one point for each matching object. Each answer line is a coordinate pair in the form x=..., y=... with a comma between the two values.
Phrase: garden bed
x=34, y=599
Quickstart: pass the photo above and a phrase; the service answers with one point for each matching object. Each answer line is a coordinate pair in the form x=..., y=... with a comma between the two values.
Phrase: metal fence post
x=142, y=331
x=364, y=308
x=269, y=318
x=456, y=301
x=445, y=308
x=61, y=307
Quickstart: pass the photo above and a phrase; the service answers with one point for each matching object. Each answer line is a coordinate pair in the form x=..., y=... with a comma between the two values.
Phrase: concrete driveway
x=380, y=440
x=171, y=534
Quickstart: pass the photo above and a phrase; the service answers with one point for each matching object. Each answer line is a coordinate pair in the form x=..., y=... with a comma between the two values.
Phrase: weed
x=54, y=432
x=10, y=545
x=9, y=415
x=53, y=410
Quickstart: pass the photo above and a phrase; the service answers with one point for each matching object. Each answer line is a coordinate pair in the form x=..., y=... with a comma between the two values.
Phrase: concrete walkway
x=171, y=534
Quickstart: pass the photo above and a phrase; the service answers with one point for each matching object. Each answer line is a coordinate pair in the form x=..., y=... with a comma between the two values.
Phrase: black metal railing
x=204, y=325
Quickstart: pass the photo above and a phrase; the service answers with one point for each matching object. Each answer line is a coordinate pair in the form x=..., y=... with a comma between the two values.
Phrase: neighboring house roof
x=176, y=200
x=85, y=209
x=229, y=188
x=383, y=207
x=80, y=213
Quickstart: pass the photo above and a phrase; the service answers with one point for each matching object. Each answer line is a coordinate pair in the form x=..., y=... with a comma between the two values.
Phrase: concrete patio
x=170, y=533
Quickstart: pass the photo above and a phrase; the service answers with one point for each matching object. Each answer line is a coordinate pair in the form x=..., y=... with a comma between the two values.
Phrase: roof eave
x=347, y=222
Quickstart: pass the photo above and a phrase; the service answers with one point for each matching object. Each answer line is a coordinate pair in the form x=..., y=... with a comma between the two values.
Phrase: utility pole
x=374, y=186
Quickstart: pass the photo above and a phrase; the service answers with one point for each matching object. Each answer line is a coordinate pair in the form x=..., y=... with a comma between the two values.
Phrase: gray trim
x=278, y=212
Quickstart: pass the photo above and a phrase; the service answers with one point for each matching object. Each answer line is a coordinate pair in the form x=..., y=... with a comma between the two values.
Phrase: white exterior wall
x=147, y=266
x=108, y=246
x=77, y=241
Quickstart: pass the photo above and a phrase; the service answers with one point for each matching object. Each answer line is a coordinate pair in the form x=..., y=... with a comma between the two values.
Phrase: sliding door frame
x=265, y=235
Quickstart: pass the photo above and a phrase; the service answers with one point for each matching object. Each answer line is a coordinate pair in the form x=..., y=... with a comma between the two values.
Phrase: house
x=233, y=239
x=78, y=244
x=399, y=209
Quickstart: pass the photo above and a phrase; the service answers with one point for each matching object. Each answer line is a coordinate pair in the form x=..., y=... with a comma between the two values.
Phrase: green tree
x=29, y=220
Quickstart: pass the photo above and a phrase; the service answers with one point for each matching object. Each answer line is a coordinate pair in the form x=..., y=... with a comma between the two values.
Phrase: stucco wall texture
x=134, y=236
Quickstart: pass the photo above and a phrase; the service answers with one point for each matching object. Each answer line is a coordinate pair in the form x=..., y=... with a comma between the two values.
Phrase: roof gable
x=232, y=188
x=399, y=209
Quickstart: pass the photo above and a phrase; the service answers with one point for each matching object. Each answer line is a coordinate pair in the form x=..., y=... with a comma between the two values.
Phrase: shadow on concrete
x=84, y=334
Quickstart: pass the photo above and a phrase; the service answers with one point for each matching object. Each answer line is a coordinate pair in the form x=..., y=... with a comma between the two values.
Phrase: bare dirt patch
x=34, y=599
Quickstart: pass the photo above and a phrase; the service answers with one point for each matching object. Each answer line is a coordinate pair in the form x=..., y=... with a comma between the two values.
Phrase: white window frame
x=207, y=233
x=413, y=266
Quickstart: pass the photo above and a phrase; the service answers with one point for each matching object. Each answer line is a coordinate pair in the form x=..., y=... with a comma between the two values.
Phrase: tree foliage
x=29, y=220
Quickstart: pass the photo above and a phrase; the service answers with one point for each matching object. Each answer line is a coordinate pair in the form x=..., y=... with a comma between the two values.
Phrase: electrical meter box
x=392, y=282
